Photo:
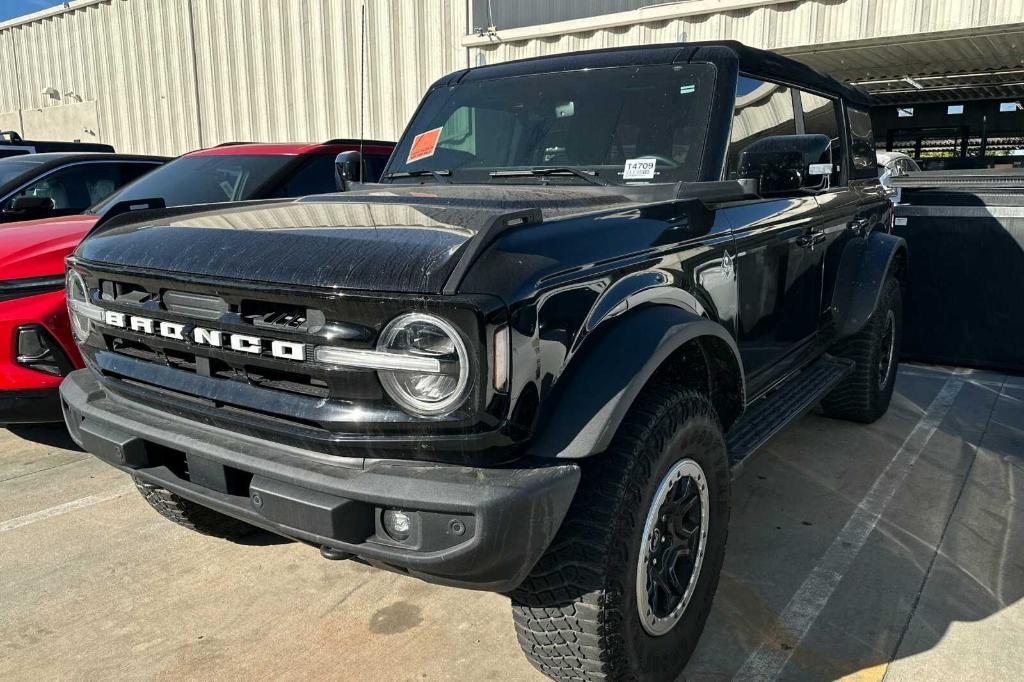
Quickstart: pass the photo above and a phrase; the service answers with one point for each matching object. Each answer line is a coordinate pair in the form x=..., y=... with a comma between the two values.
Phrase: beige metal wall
x=168, y=76
x=769, y=24
x=130, y=57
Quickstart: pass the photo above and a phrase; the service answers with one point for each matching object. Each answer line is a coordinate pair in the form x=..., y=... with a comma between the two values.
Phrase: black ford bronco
x=530, y=360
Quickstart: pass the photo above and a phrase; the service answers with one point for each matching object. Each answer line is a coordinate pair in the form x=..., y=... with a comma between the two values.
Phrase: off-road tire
x=191, y=515
x=576, y=613
x=861, y=396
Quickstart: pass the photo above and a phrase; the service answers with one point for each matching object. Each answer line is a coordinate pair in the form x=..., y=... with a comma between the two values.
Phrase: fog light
x=31, y=344
x=397, y=524
x=35, y=351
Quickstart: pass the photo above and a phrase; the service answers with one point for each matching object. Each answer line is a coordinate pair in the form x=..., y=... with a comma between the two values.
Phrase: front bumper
x=482, y=528
x=36, y=406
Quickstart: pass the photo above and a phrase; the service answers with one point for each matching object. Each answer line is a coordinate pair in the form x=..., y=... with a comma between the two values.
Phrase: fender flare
x=862, y=271
x=586, y=405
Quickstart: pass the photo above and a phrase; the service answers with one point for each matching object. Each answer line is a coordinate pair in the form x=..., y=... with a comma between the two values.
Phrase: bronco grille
x=267, y=321
x=227, y=351
x=303, y=383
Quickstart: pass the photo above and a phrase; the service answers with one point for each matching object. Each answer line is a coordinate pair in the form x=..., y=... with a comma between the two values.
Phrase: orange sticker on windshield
x=423, y=145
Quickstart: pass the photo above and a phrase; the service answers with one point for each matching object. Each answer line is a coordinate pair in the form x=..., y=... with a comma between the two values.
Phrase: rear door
x=855, y=204
x=778, y=273
x=838, y=199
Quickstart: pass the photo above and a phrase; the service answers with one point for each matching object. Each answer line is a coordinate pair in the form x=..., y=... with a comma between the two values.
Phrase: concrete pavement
x=893, y=550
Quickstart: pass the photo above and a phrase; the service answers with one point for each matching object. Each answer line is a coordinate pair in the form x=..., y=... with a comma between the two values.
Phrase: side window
x=821, y=117
x=130, y=172
x=374, y=165
x=133, y=171
x=862, y=144
x=76, y=188
x=763, y=111
x=314, y=176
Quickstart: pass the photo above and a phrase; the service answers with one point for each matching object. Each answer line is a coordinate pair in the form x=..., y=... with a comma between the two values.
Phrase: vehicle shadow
x=946, y=551
x=262, y=538
x=53, y=435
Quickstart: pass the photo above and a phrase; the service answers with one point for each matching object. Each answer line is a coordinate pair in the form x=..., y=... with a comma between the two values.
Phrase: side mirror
x=779, y=180
x=347, y=169
x=785, y=164
x=28, y=206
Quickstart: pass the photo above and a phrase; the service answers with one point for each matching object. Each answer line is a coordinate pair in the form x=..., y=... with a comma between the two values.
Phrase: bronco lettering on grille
x=215, y=338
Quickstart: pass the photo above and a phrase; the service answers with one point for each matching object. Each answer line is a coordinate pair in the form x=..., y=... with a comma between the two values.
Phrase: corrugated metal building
x=165, y=76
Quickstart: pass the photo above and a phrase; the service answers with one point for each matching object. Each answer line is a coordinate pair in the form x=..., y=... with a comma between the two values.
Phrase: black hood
x=390, y=238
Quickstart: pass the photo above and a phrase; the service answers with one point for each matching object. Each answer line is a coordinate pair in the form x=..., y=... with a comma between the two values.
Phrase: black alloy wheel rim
x=674, y=543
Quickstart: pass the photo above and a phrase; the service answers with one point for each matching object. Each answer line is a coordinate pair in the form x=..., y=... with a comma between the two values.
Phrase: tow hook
x=332, y=554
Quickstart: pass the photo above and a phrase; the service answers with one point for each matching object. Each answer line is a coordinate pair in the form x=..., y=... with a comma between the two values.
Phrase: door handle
x=859, y=225
x=810, y=239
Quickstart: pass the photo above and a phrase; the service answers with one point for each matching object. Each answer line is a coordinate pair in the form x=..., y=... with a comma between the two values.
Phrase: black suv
x=590, y=286
x=12, y=144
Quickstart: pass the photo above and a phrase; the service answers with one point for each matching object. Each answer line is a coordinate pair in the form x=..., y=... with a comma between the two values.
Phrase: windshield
x=12, y=168
x=618, y=125
x=202, y=180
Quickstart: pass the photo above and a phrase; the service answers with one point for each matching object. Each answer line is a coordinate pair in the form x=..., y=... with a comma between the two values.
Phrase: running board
x=790, y=400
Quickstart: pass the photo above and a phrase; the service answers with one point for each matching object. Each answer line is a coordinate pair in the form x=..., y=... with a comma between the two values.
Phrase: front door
x=778, y=278
x=778, y=258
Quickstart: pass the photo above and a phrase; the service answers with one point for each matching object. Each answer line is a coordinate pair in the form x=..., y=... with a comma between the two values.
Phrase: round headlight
x=78, y=293
x=425, y=336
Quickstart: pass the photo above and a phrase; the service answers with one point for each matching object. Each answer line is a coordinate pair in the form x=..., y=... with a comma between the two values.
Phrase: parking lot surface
x=894, y=550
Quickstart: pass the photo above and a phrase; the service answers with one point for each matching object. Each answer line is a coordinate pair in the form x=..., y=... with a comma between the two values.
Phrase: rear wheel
x=191, y=515
x=864, y=395
x=625, y=588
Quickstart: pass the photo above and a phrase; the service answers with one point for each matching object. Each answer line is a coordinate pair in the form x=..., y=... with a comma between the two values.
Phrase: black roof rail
x=231, y=144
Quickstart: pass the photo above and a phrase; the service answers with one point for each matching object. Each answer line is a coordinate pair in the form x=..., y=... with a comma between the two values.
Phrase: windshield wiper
x=440, y=176
x=588, y=175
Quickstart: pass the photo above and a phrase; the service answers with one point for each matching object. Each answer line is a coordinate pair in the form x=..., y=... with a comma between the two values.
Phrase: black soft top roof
x=751, y=60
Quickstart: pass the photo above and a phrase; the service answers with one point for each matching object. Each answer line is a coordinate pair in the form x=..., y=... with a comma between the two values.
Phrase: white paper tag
x=820, y=169
x=901, y=222
x=639, y=169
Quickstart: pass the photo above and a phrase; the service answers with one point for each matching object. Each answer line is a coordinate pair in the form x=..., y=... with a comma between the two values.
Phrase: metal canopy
x=934, y=68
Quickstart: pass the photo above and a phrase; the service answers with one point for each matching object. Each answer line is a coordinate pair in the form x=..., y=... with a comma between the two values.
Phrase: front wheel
x=625, y=588
x=191, y=515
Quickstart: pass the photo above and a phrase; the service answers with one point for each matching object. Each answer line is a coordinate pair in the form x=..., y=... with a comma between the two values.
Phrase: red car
x=36, y=347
